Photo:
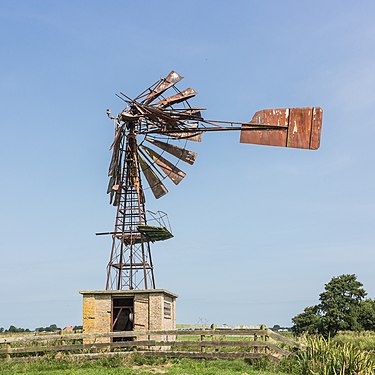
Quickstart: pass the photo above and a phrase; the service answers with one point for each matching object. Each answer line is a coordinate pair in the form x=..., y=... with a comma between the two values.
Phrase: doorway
x=122, y=316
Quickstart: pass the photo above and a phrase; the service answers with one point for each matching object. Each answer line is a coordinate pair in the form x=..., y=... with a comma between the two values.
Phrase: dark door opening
x=122, y=316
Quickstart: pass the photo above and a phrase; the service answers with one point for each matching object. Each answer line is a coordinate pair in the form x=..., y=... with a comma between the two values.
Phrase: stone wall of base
x=153, y=310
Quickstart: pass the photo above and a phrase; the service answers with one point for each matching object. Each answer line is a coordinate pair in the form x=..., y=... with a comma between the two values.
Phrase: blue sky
x=258, y=230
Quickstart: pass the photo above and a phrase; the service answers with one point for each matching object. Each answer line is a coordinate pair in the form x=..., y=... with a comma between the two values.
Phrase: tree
x=342, y=307
x=77, y=329
x=12, y=329
x=339, y=304
x=308, y=321
x=366, y=315
x=51, y=328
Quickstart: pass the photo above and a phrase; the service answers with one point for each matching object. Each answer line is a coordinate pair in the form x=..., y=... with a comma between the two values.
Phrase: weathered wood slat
x=222, y=332
x=219, y=343
x=93, y=346
x=65, y=347
x=203, y=355
x=131, y=344
x=255, y=343
x=160, y=353
x=78, y=336
x=198, y=355
x=283, y=339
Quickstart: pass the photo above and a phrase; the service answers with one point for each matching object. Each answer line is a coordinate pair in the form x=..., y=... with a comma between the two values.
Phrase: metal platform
x=153, y=233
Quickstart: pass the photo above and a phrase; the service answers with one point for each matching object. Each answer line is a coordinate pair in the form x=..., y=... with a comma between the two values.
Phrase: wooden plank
x=73, y=336
x=221, y=332
x=211, y=355
x=78, y=336
x=218, y=344
x=141, y=343
x=28, y=338
x=283, y=339
x=39, y=349
x=204, y=355
x=93, y=346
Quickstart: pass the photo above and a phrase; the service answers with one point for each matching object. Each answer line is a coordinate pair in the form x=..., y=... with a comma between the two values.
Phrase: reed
x=326, y=357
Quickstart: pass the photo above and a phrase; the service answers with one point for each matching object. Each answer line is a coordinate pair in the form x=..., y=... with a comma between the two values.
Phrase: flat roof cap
x=129, y=292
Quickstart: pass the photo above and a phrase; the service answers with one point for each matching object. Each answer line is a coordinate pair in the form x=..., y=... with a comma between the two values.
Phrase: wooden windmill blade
x=299, y=128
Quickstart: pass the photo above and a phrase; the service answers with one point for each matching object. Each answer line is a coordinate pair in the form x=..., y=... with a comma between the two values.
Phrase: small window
x=167, y=310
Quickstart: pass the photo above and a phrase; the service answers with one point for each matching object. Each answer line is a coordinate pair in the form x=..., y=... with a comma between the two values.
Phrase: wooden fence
x=193, y=343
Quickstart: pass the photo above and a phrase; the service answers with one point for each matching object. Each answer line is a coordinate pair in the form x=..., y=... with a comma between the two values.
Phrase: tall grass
x=364, y=340
x=326, y=357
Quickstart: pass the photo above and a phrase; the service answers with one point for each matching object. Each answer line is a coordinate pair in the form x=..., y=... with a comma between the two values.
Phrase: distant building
x=277, y=328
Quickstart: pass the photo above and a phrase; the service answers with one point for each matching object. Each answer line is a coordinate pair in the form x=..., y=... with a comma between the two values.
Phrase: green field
x=136, y=366
x=347, y=353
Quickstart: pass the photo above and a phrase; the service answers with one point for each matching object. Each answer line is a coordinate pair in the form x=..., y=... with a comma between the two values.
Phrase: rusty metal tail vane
x=151, y=137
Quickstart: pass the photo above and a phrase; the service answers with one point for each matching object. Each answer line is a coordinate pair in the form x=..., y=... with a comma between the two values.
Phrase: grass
x=332, y=357
x=137, y=366
x=362, y=340
x=346, y=354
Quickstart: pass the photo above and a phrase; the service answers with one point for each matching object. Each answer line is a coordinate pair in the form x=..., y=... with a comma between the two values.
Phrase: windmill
x=150, y=145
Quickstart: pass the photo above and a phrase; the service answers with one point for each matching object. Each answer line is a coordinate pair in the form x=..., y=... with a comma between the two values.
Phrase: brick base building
x=128, y=310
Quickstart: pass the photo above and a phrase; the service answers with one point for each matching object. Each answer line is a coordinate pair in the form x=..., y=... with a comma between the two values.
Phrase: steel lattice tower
x=130, y=265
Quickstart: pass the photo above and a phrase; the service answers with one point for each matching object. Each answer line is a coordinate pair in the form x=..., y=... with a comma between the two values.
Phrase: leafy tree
x=13, y=329
x=51, y=328
x=77, y=328
x=342, y=307
x=366, y=315
x=308, y=321
x=339, y=304
x=1, y=329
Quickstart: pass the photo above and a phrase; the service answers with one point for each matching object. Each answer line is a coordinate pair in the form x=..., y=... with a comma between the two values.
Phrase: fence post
x=7, y=356
x=255, y=339
x=203, y=348
x=262, y=327
x=263, y=337
x=213, y=337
